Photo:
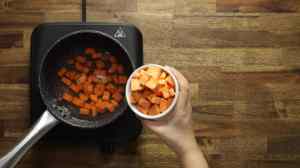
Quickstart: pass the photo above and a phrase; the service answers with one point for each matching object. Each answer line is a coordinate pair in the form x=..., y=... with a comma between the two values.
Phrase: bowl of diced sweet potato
x=152, y=91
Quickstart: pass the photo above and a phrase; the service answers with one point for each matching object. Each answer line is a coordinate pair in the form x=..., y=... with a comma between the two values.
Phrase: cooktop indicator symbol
x=120, y=33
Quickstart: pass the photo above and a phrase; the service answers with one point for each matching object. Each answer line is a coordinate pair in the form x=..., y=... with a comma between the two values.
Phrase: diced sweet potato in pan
x=95, y=81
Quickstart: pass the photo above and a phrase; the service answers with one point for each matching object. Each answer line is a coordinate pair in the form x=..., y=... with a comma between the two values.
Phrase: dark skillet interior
x=51, y=87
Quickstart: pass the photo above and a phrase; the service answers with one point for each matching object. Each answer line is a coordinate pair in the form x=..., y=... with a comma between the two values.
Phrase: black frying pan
x=51, y=89
x=51, y=86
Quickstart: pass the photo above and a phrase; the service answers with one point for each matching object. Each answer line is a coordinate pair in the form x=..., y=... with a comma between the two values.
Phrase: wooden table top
x=241, y=57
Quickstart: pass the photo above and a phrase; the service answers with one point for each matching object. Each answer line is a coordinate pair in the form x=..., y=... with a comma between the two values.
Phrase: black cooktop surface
x=124, y=129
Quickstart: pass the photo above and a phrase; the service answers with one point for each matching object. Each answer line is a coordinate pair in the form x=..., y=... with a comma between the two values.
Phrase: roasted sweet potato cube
x=83, y=97
x=99, y=89
x=136, y=95
x=157, y=91
x=67, y=97
x=135, y=85
x=84, y=111
x=170, y=82
x=146, y=92
x=94, y=97
x=154, y=110
x=151, y=84
x=100, y=106
x=89, y=51
x=77, y=102
x=141, y=109
x=163, y=75
x=114, y=103
x=66, y=81
x=117, y=96
x=163, y=105
x=81, y=59
x=122, y=79
x=61, y=72
x=97, y=55
x=100, y=64
x=144, y=78
x=82, y=78
x=172, y=92
x=110, y=87
x=75, y=87
x=110, y=107
x=154, y=99
x=144, y=103
x=165, y=92
x=154, y=72
x=106, y=95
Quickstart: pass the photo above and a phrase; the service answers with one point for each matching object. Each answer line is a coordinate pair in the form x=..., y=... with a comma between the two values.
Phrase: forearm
x=193, y=157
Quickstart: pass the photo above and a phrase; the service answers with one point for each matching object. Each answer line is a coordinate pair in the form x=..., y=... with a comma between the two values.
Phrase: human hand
x=176, y=128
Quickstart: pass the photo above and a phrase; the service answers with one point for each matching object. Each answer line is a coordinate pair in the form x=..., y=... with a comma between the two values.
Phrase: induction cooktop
x=127, y=127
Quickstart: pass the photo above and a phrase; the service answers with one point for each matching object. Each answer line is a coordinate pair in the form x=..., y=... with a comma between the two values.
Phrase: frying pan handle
x=45, y=123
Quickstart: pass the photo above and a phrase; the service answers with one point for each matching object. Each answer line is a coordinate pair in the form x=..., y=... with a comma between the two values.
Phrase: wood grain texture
x=258, y=6
x=241, y=58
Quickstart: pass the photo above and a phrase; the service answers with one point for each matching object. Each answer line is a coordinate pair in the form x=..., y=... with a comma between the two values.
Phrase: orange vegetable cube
x=117, y=96
x=82, y=79
x=136, y=85
x=90, y=51
x=81, y=59
x=100, y=105
x=144, y=103
x=84, y=111
x=154, y=72
x=97, y=55
x=88, y=64
x=83, y=97
x=163, y=105
x=123, y=79
x=165, y=92
x=66, y=81
x=136, y=96
x=94, y=98
x=76, y=88
x=154, y=99
x=154, y=110
x=172, y=92
x=110, y=87
x=99, y=89
x=110, y=107
x=100, y=64
x=170, y=82
x=106, y=95
x=163, y=75
x=67, y=97
x=151, y=84
x=61, y=72
x=141, y=109
x=114, y=103
x=77, y=102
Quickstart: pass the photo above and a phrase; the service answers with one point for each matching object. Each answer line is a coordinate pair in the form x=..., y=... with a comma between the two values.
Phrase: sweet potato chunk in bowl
x=151, y=91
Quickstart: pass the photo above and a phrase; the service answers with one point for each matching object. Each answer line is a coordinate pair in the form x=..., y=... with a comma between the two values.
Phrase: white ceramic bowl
x=145, y=116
